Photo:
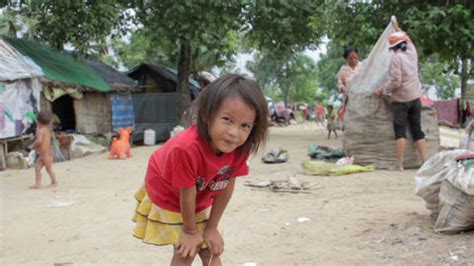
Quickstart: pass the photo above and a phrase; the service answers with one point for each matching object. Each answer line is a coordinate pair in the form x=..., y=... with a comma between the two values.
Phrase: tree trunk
x=465, y=70
x=183, y=84
x=464, y=77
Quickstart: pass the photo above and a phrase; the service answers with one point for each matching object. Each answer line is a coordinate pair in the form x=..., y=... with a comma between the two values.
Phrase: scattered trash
x=320, y=152
x=176, y=130
x=345, y=160
x=314, y=167
x=16, y=160
x=264, y=183
x=291, y=185
x=60, y=204
x=276, y=155
x=303, y=220
x=31, y=158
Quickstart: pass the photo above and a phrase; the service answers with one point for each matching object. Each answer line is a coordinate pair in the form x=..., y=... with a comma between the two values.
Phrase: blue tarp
x=122, y=111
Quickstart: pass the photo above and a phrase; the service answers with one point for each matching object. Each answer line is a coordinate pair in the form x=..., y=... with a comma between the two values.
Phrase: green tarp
x=59, y=66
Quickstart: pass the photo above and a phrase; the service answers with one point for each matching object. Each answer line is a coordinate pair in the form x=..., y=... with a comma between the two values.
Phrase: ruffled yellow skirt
x=158, y=226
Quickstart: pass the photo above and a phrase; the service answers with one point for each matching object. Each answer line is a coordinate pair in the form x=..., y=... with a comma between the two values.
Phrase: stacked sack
x=447, y=186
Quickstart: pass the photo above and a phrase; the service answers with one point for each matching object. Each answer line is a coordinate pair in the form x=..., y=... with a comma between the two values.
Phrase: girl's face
x=231, y=126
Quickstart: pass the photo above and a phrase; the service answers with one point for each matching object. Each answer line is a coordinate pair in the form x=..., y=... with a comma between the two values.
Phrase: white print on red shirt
x=218, y=183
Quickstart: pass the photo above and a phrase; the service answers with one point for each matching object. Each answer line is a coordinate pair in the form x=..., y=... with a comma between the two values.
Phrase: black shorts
x=407, y=112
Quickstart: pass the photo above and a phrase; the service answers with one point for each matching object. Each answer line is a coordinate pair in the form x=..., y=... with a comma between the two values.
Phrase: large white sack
x=429, y=177
x=456, y=210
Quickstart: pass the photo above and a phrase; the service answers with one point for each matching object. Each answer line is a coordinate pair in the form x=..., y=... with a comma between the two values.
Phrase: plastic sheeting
x=373, y=71
x=122, y=111
x=59, y=66
x=14, y=66
x=19, y=102
x=157, y=111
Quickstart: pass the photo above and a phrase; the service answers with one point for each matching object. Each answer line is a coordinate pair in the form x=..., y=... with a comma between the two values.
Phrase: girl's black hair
x=350, y=49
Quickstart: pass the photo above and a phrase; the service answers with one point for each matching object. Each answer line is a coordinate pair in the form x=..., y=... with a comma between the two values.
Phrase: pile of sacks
x=446, y=183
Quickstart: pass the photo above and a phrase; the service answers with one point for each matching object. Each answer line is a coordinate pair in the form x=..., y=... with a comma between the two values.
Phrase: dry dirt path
x=368, y=218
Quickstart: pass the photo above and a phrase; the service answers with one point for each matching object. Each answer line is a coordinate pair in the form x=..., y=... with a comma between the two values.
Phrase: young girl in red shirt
x=191, y=178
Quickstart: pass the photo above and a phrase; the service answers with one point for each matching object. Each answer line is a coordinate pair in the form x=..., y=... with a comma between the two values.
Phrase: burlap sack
x=429, y=177
x=369, y=134
x=456, y=210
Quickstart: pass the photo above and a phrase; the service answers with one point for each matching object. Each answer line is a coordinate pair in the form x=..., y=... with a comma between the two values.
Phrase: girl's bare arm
x=188, y=208
x=219, y=205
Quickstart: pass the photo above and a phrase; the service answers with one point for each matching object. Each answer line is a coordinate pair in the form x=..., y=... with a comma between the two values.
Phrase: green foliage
x=8, y=23
x=437, y=74
x=290, y=79
x=445, y=28
x=84, y=24
x=202, y=23
x=282, y=28
x=329, y=65
x=140, y=48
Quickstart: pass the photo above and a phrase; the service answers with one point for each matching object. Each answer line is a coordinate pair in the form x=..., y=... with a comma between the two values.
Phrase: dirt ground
x=368, y=218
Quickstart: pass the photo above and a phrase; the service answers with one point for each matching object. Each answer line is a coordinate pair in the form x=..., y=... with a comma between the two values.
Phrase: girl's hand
x=214, y=241
x=188, y=243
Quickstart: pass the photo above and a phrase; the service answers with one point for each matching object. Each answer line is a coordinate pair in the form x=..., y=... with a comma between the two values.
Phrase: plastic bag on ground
x=325, y=153
x=314, y=167
x=276, y=155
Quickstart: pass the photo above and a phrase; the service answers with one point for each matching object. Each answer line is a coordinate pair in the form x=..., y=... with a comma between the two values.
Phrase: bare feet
x=396, y=168
x=35, y=186
x=53, y=185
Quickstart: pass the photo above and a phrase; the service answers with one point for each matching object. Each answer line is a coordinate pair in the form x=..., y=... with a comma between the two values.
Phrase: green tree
x=438, y=74
x=191, y=25
x=140, y=48
x=291, y=79
x=283, y=28
x=329, y=65
x=445, y=28
x=84, y=24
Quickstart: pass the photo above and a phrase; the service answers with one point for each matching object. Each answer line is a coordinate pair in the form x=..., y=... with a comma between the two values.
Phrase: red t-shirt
x=187, y=160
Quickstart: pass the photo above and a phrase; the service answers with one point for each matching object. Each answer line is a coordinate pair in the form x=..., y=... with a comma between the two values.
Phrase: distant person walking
x=319, y=114
x=331, y=121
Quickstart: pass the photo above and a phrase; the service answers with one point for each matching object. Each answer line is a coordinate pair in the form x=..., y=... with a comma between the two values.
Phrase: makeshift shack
x=157, y=102
x=20, y=90
x=72, y=90
x=120, y=101
x=368, y=126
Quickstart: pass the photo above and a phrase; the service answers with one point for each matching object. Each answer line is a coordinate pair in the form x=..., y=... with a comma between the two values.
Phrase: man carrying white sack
x=405, y=89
